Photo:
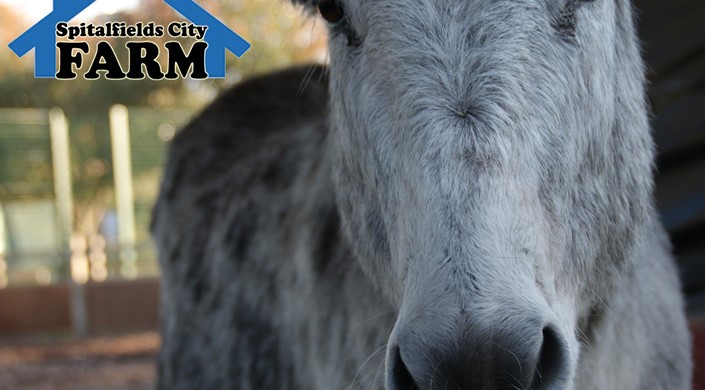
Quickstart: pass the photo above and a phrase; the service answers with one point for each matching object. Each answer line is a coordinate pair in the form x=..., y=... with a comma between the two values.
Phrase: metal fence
x=39, y=242
x=30, y=228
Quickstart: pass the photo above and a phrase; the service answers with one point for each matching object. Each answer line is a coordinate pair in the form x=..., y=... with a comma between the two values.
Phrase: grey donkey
x=462, y=200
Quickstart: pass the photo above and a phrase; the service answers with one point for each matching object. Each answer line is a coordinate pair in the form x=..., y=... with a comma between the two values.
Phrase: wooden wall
x=114, y=306
x=673, y=34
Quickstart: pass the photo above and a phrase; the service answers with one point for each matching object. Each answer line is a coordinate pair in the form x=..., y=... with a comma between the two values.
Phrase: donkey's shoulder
x=225, y=220
x=261, y=105
x=260, y=120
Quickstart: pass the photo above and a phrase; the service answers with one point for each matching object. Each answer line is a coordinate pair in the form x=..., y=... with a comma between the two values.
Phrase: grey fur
x=477, y=184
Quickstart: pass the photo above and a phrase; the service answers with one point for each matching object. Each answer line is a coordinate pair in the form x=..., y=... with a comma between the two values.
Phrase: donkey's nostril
x=528, y=356
x=551, y=366
x=401, y=377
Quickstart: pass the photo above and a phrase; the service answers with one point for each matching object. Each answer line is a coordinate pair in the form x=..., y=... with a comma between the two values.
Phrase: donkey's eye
x=331, y=11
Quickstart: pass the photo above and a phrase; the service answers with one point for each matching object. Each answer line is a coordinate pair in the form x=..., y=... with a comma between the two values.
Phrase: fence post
x=61, y=162
x=124, y=198
x=3, y=249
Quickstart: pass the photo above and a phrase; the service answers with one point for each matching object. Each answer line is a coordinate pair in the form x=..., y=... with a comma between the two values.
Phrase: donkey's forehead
x=446, y=3
x=436, y=16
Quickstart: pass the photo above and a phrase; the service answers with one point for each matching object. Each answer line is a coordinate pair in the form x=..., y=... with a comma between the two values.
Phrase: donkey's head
x=492, y=166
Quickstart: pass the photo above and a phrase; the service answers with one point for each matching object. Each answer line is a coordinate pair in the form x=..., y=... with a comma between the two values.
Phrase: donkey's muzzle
x=524, y=357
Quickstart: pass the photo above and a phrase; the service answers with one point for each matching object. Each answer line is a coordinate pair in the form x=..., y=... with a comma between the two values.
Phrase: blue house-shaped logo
x=42, y=36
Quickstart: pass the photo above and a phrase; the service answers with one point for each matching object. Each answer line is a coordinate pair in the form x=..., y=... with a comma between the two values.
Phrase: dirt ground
x=105, y=363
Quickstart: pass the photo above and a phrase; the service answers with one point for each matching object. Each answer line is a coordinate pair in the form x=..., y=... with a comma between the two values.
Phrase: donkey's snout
x=505, y=360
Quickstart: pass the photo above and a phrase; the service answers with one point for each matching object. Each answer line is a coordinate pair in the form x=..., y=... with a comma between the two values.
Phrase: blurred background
x=81, y=161
x=80, y=167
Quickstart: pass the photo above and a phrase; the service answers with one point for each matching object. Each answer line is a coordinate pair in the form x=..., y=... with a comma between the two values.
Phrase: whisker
x=365, y=363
